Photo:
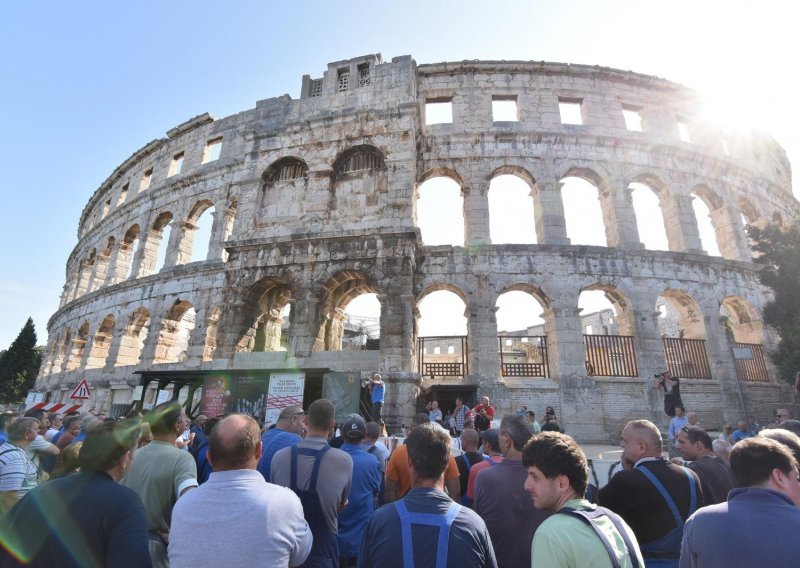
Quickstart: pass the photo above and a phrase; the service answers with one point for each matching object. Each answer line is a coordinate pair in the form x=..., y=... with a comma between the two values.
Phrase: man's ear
x=259, y=450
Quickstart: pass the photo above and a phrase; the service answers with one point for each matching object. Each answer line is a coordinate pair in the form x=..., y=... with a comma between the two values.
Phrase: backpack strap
x=589, y=517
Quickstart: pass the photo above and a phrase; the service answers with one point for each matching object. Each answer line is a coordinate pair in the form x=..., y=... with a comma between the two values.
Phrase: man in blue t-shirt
x=366, y=485
x=286, y=433
x=377, y=389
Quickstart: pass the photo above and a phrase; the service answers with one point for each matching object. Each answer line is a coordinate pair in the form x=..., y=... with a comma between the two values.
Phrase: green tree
x=778, y=259
x=19, y=365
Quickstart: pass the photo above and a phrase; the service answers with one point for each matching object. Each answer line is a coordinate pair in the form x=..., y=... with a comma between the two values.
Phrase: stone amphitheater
x=315, y=201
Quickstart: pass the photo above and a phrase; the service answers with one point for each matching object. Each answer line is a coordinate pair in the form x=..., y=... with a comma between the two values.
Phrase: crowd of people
x=161, y=490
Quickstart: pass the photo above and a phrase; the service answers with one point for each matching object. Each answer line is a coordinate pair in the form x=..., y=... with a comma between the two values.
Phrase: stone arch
x=586, y=218
x=133, y=337
x=338, y=291
x=187, y=245
x=705, y=199
x=512, y=216
x=288, y=168
x=173, y=337
x=261, y=314
x=681, y=317
x=439, y=208
x=742, y=321
x=624, y=323
x=749, y=211
x=61, y=349
x=210, y=343
x=77, y=347
x=127, y=250
x=100, y=271
x=101, y=342
x=460, y=295
x=85, y=271
x=440, y=171
x=647, y=193
x=513, y=170
x=155, y=244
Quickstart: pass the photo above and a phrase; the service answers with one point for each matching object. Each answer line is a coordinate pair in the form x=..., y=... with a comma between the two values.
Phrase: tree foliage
x=778, y=258
x=19, y=365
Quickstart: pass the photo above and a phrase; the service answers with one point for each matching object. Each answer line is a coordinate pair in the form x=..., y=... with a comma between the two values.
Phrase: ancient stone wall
x=315, y=203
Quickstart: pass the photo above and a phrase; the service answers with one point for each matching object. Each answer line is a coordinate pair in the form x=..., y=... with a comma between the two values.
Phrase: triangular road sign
x=82, y=390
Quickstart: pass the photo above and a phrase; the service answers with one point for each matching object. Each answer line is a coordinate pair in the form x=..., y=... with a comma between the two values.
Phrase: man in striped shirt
x=17, y=472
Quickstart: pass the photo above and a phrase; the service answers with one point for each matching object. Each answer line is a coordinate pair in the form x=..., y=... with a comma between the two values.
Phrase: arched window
x=511, y=217
x=359, y=159
x=286, y=169
x=649, y=217
x=583, y=214
x=440, y=212
x=708, y=234
x=133, y=338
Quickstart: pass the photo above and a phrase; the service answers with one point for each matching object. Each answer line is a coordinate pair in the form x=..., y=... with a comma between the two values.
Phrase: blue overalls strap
x=317, y=455
x=668, y=498
x=372, y=449
x=490, y=461
x=589, y=517
x=430, y=519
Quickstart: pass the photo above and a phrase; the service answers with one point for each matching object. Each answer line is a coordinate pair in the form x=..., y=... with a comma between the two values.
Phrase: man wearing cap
x=286, y=433
x=321, y=476
x=366, y=485
x=426, y=528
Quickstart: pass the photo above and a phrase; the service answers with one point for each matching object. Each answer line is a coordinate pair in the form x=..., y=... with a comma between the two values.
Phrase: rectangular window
x=451, y=349
x=571, y=111
x=316, y=87
x=343, y=79
x=439, y=111
x=683, y=130
x=662, y=311
x=633, y=118
x=146, y=178
x=588, y=330
x=123, y=194
x=212, y=150
x=504, y=109
x=437, y=350
x=364, y=79
x=176, y=165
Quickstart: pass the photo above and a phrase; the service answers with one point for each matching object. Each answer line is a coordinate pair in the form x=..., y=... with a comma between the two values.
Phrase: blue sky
x=85, y=84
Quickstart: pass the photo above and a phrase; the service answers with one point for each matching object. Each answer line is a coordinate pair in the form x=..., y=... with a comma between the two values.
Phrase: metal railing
x=433, y=362
x=750, y=364
x=523, y=356
x=610, y=356
x=686, y=358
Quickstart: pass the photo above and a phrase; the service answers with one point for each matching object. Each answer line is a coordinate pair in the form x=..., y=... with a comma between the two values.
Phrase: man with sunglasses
x=285, y=434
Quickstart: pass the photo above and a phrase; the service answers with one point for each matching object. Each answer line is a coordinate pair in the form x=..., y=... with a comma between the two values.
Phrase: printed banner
x=343, y=389
x=250, y=395
x=216, y=396
x=285, y=389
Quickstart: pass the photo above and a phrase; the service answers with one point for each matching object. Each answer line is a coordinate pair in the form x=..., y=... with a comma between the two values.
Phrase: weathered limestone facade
x=314, y=203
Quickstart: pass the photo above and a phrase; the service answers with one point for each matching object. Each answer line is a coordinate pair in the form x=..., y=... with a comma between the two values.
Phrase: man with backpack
x=558, y=474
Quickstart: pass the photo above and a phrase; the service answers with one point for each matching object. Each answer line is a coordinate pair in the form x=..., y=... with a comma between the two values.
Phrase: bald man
x=470, y=441
x=236, y=517
x=646, y=494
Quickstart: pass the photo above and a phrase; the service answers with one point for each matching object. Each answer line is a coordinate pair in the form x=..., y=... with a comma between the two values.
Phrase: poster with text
x=250, y=395
x=285, y=389
x=343, y=389
x=216, y=396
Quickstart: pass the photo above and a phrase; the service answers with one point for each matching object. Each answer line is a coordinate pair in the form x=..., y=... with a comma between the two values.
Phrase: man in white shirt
x=262, y=522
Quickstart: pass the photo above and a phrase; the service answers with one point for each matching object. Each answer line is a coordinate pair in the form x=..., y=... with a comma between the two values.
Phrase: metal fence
x=610, y=356
x=523, y=356
x=686, y=358
x=750, y=364
x=443, y=356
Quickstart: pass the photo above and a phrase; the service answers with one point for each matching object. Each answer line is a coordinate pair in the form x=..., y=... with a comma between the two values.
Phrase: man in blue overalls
x=654, y=496
x=321, y=476
x=426, y=528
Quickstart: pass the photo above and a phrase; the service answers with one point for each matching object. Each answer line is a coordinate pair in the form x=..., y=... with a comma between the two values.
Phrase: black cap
x=354, y=428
